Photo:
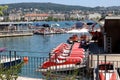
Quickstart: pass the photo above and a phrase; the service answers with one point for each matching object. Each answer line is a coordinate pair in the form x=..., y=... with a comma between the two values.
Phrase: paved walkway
x=26, y=78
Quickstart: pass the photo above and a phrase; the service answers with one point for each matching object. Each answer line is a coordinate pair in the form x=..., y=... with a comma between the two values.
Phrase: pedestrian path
x=26, y=78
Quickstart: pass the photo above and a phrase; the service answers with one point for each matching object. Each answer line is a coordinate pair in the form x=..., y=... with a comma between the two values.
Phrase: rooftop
x=112, y=17
x=36, y=15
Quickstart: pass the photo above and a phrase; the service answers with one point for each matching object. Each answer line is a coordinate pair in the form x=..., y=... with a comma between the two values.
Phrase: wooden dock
x=96, y=59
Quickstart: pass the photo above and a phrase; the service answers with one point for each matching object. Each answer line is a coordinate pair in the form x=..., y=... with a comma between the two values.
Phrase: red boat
x=73, y=38
x=106, y=71
x=64, y=56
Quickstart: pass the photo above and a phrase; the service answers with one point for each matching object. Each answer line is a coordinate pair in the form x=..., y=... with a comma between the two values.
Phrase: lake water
x=33, y=46
x=35, y=43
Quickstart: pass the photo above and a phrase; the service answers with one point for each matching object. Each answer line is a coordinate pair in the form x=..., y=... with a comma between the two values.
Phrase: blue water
x=35, y=43
x=34, y=47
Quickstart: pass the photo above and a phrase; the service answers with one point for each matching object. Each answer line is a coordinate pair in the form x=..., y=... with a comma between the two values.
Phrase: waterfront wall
x=15, y=33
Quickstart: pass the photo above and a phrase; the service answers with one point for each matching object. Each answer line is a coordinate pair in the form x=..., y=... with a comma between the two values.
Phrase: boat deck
x=5, y=60
x=62, y=68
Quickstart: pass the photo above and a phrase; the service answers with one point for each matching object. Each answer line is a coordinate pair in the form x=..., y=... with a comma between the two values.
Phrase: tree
x=2, y=8
x=49, y=18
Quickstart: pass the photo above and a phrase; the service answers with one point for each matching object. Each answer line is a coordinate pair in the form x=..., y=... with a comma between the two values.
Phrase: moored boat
x=6, y=62
x=64, y=57
x=106, y=71
x=73, y=38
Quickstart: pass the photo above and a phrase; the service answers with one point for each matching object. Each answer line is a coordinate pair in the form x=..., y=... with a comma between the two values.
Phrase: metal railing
x=32, y=65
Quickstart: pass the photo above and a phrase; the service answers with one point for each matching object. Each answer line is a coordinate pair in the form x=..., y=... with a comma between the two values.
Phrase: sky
x=87, y=3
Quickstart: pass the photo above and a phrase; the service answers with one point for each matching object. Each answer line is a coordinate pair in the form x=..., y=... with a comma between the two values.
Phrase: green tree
x=49, y=18
x=2, y=8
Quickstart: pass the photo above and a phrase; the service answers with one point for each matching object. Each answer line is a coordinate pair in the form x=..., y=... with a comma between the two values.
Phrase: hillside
x=56, y=7
x=46, y=6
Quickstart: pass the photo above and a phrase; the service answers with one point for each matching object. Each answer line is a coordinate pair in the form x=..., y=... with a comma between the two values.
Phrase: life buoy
x=25, y=59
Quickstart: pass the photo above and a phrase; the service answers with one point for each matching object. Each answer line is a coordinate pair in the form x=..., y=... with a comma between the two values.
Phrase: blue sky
x=88, y=3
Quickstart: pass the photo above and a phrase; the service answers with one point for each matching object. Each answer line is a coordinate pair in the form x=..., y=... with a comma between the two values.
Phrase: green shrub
x=10, y=73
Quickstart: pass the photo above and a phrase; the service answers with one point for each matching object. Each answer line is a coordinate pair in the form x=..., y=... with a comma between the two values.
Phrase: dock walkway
x=15, y=34
x=95, y=59
x=98, y=56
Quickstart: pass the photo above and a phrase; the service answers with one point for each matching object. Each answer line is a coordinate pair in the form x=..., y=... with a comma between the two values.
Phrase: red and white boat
x=64, y=57
x=106, y=71
x=73, y=38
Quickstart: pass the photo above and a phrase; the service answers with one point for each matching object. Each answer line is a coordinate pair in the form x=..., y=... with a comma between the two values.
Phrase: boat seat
x=66, y=51
x=64, y=54
x=60, y=61
x=62, y=57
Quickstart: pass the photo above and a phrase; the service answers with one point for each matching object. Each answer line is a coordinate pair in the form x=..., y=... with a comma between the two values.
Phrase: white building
x=77, y=16
x=59, y=16
x=13, y=17
x=34, y=16
x=94, y=16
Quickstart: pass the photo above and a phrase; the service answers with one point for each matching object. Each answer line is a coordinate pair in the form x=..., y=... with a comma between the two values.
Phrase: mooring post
x=91, y=60
x=105, y=66
x=10, y=57
x=97, y=67
x=15, y=56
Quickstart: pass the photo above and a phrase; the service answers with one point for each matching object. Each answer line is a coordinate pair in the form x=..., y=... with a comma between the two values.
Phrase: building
x=94, y=16
x=14, y=26
x=77, y=16
x=58, y=16
x=34, y=17
x=15, y=17
x=112, y=34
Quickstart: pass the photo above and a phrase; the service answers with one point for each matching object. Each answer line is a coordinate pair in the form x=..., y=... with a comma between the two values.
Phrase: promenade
x=16, y=33
x=26, y=78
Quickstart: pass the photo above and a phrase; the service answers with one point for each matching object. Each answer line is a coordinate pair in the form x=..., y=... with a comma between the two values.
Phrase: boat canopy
x=79, y=24
x=83, y=30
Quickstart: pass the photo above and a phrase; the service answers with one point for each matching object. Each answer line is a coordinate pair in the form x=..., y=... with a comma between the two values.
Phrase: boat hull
x=10, y=62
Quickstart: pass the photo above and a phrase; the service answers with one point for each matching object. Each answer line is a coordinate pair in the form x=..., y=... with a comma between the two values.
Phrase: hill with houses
x=55, y=7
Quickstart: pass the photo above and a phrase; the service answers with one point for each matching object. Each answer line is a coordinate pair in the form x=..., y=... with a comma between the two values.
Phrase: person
x=83, y=44
x=95, y=36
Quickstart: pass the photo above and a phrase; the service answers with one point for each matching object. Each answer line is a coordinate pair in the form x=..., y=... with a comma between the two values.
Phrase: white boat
x=8, y=62
x=55, y=25
x=83, y=30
